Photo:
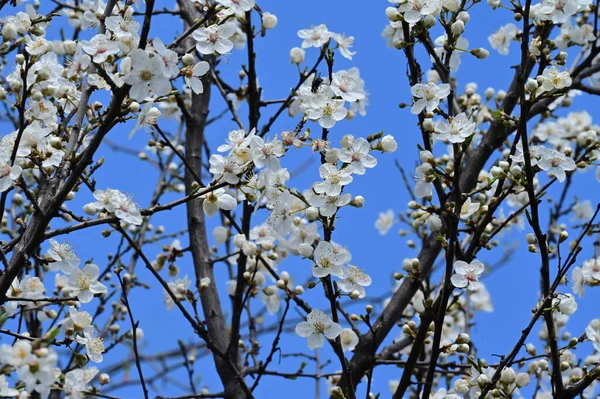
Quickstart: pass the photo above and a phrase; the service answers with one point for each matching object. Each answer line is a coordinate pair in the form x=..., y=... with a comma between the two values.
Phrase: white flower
x=354, y=279
x=94, y=345
x=77, y=321
x=225, y=168
x=591, y=269
x=358, y=156
x=148, y=117
x=583, y=210
x=348, y=85
x=349, y=339
x=127, y=211
x=147, y=74
x=467, y=274
x=559, y=11
x=592, y=333
x=334, y=180
x=236, y=139
x=62, y=256
x=428, y=96
x=566, y=304
x=179, y=288
x=314, y=37
x=555, y=163
x=5, y=389
x=77, y=382
x=468, y=208
x=344, y=44
x=328, y=113
x=414, y=10
x=270, y=299
x=84, y=283
x=123, y=27
x=18, y=354
x=578, y=281
x=8, y=174
x=385, y=221
x=192, y=76
x=442, y=43
x=169, y=58
x=318, y=324
x=215, y=38
x=100, y=48
x=218, y=199
x=266, y=153
x=238, y=6
x=501, y=39
x=329, y=259
x=424, y=187
x=328, y=205
x=553, y=79
x=459, y=129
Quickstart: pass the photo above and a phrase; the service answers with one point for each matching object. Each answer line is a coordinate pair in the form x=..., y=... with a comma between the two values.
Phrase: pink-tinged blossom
x=467, y=274
x=215, y=38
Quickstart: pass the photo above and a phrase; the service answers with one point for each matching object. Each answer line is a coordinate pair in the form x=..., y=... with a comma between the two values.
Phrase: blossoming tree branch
x=76, y=71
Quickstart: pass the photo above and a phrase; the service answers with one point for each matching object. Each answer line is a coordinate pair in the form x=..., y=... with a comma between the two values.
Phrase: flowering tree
x=487, y=163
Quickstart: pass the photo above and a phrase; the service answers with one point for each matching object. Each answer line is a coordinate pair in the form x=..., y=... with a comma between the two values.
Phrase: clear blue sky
x=514, y=287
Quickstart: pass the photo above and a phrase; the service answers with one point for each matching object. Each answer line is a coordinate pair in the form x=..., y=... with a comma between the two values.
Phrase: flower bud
x=428, y=125
x=531, y=85
x=388, y=143
x=312, y=213
x=239, y=240
x=269, y=21
x=482, y=380
x=69, y=46
x=426, y=156
x=429, y=21
x=347, y=141
x=188, y=59
x=508, y=376
x=9, y=31
x=298, y=290
x=463, y=338
x=480, y=53
x=562, y=237
x=358, y=201
x=457, y=27
x=305, y=250
x=249, y=248
x=281, y=284
x=461, y=386
x=90, y=209
x=393, y=14
x=104, y=379
x=494, y=3
x=463, y=348
x=464, y=16
x=452, y=5
x=297, y=55
x=522, y=380
x=354, y=294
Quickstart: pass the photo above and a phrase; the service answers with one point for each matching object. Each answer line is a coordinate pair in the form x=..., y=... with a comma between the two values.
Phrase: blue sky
x=514, y=287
